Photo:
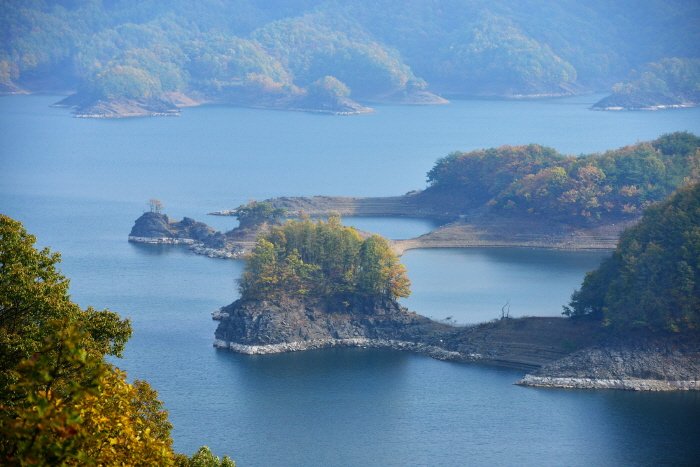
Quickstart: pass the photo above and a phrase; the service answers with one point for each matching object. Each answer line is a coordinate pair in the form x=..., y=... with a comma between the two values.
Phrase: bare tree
x=505, y=310
x=155, y=205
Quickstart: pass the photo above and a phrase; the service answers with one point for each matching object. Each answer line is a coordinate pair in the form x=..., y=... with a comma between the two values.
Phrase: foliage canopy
x=322, y=259
x=61, y=403
x=377, y=48
x=258, y=212
x=652, y=280
x=534, y=180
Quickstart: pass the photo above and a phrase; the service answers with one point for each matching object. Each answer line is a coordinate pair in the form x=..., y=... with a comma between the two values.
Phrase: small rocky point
x=261, y=327
x=640, y=362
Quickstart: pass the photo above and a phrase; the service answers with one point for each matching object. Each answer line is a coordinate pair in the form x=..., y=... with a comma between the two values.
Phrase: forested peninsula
x=670, y=83
x=528, y=196
x=632, y=325
x=117, y=59
x=635, y=323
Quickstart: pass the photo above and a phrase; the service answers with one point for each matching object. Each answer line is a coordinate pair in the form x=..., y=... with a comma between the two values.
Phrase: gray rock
x=289, y=325
x=641, y=362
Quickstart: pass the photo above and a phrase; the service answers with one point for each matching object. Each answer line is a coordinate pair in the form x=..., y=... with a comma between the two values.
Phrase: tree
x=76, y=409
x=652, y=280
x=256, y=213
x=322, y=259
x=380, y=271
x=61, y=403
x=155, y=205
x=33, y=295
x=204, y=458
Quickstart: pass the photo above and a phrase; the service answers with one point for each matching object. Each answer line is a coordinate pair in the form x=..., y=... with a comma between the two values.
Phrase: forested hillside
x=281, y=54
x=672, y=82
x=537, y=181
x=652, y=280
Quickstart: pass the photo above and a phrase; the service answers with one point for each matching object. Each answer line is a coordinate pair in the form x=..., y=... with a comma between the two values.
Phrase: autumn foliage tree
x=61, y=403
x=322, y=260
x=536, y=181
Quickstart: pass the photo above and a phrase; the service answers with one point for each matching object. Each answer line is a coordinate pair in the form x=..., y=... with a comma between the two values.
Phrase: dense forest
x=322, y=260
x=652, y=280
x=61, y=402
x=534, y=180
x=670, y=82
x=282, y=53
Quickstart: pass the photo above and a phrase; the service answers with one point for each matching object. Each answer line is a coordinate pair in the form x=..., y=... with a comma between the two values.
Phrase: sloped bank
x=638, y=362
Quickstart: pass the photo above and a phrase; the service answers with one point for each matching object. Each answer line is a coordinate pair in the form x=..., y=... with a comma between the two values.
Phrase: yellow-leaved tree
x=61, y=403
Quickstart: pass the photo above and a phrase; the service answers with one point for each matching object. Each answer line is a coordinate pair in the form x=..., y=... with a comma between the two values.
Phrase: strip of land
x=476, y=229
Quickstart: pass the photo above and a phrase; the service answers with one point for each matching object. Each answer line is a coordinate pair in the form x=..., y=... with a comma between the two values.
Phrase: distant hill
x=158, y=56
x=652, y=280
x=537, y=182
x=672, y=82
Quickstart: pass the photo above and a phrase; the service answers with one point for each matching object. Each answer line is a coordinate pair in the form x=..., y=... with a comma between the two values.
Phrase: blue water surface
x=79, y=184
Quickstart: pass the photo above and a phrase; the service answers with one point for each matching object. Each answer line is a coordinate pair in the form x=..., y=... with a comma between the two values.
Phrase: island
x=516, y=196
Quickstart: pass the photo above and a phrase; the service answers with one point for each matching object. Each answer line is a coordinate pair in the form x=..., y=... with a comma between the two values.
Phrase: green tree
x=33, y=294
x=380, y=271
x=60, y=402
x=258, y=212
x=204, y=458
x=322, y=259
x=652, y=280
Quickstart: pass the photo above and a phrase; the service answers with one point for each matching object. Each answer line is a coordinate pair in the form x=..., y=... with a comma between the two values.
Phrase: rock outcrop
x=156, y=228
x=156, y=225
x=637, y=362
x=260, y=327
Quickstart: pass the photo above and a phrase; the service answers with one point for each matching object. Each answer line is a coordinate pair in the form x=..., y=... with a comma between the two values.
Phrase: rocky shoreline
x=649, y=107
x=643, y=100
x=170, y=103
x=639, y=362
x=555, y=352
x=435, y=352
x=474, y=229
x=627, y=384
x=194, y=245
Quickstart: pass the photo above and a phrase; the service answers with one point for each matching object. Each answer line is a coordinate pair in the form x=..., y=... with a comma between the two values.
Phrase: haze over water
x=78, y=185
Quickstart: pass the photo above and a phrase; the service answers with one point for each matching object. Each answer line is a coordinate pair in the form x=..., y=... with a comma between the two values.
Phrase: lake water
x=79, y=184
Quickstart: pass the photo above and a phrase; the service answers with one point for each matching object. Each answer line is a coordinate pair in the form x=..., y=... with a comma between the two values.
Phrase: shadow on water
x=151, y=249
